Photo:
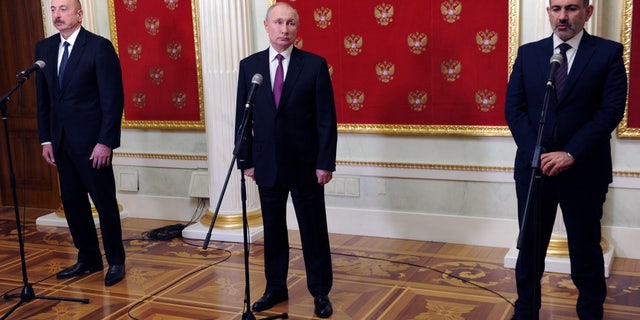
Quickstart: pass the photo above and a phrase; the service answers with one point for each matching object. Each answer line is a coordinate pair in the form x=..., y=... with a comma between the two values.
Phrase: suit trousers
x=582, y=210
x=77, y=179
x=311, y=214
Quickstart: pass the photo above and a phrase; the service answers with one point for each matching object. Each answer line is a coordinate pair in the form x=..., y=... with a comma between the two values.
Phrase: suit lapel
x=51, y=73
x=265, y=92
x=74, y=57
x=580, y=62
x=545, y=51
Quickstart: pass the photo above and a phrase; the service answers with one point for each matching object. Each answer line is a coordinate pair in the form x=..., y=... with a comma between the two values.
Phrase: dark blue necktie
x=563, y=71
x=63, y=63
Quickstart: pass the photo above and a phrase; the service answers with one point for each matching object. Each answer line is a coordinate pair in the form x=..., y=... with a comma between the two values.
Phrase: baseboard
x=559, y=264
x=489, y=232
x=199, y=231
x=54, y=220
x=420, y=226
x=160, y=208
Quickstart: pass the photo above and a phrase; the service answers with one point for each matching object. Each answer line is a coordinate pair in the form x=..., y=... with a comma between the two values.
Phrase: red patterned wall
x=156, y=44
x=398, y=62
x=633, y=111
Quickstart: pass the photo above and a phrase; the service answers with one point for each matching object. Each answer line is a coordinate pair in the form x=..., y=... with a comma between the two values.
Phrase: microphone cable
x=415, y=265
x=164, y=233
x=178, y=280
x=174, y=230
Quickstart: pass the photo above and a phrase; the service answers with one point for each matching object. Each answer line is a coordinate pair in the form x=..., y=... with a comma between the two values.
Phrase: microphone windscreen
x=257, y=79
x=556, y=58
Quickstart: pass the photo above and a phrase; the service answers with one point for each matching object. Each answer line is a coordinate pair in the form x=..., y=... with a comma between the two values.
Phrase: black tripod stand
x=27, y=294
x=248, y=314
x=534, y=193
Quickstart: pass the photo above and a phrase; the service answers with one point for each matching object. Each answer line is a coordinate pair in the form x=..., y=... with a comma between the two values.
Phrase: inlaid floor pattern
x=374, y=278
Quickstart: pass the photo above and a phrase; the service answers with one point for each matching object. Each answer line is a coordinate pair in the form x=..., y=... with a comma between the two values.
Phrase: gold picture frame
x=623, y=130
x=461, y=130
x=168, y=124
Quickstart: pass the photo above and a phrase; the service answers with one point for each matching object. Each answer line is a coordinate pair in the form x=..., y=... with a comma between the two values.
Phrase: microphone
x=256, y=81
x=35, y=67
x=556, y=60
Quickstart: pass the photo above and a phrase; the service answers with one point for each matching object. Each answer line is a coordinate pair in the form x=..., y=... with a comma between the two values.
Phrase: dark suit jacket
x=85, y=110
x=88, y=108
x=289, y=142
x=582, y=121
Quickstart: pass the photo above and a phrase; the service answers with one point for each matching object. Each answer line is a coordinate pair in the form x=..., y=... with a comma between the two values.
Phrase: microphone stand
x=27, y=294
x=248, y=314
x=534, y=192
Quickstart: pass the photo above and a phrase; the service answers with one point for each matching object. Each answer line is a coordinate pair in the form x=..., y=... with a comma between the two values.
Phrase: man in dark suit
x=290, y=147
x=80, y=107
x=575, y=165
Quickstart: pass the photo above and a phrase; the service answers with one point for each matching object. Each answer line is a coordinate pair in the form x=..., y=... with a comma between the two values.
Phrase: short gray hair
x=586, y=3
x=266, y=17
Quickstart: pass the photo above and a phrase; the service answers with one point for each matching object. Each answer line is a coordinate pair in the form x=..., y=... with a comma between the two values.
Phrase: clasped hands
x=555, y=162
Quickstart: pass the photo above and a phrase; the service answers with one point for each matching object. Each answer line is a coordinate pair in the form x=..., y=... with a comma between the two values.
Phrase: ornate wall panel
x=157, y=42
x=415, y=67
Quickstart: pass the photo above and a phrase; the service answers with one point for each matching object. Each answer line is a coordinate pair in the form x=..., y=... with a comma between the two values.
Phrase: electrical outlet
x=129, y=180
x=199, y=185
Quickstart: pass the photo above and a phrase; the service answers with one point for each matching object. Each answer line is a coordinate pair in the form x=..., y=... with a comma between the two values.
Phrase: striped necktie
x=563, y=71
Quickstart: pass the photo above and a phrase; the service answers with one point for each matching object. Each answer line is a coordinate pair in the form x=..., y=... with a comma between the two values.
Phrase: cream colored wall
x=456, y=188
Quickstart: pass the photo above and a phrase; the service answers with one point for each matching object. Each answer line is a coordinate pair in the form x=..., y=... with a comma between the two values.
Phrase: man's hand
x=323, y=176
x=47, y=154
x=553, y=163
x=249, y=173
x=101, y=156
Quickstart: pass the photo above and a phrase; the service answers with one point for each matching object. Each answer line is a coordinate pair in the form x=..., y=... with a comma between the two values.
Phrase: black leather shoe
x=79, y=269
x=517, y=317
x=323, y=306
x=114, y=275
x=268, y=300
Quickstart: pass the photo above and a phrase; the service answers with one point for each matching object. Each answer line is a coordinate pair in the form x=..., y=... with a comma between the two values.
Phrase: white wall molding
x=621, y=179
x=435, y=227
x=160, y=161
x=158, y=207
x=501, y=233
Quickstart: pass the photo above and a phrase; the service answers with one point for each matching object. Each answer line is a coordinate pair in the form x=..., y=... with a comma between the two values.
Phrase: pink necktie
x=278, y=81
x=563, y=71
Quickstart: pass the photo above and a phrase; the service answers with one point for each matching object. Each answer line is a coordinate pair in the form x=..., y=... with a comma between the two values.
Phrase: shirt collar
x=286, y=53
x=573, y=42
x=72, y=38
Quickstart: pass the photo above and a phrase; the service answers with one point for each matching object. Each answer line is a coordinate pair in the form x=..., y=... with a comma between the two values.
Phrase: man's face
x=282, y=27
x=567, y=17
x=66, y=15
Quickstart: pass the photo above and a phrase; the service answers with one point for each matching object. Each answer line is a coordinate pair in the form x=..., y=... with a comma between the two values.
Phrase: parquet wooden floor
x=374, y=278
